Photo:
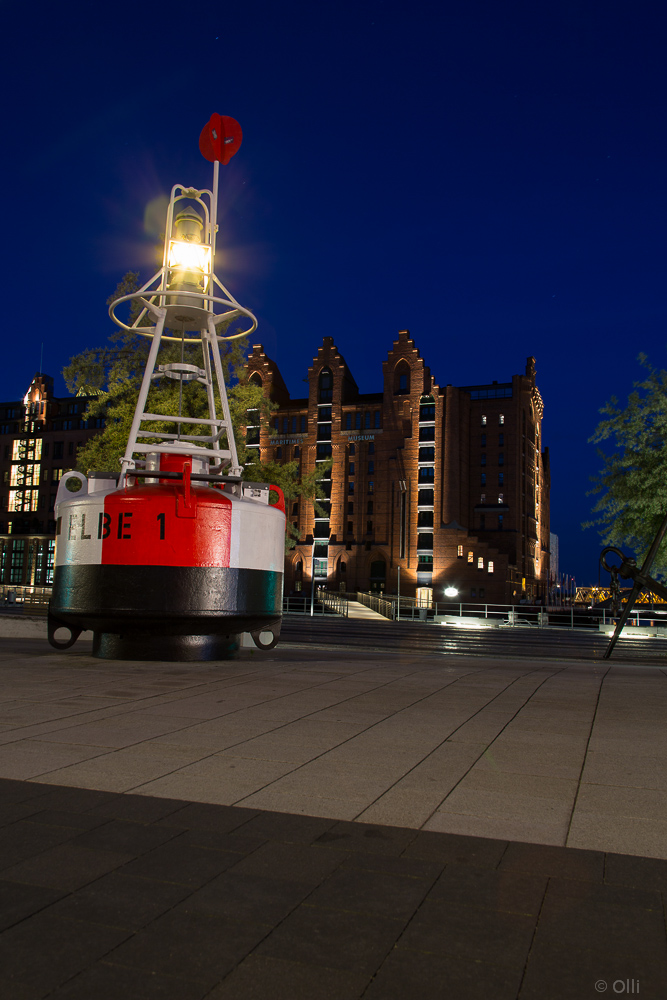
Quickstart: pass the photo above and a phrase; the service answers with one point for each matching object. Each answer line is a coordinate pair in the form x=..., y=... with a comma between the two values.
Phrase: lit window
x=490, y=566
x=460, y=552
x=482, y=498
x=483, y=421
x=501, y=418
x=470, y=557
x=500, y=497
x=480, y=563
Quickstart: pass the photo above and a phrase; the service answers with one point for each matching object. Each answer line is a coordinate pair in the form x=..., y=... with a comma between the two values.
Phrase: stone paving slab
x=315, y=824
x=560, y=753
x=123, y=895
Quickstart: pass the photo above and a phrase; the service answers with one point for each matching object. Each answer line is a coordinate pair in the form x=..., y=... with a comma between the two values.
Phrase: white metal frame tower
x=185, y=294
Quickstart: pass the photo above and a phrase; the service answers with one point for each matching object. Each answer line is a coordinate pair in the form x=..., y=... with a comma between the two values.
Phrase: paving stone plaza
x=330, y=823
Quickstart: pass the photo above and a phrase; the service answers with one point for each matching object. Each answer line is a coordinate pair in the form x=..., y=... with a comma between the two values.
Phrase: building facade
x=39, y=438
x=430, y=488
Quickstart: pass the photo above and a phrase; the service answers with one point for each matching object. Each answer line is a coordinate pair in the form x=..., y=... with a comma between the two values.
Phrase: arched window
x=402, y=378
x=325, y=386
x=256, y=379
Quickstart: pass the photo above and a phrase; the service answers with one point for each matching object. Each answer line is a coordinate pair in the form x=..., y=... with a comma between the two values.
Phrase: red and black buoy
x=167, y=568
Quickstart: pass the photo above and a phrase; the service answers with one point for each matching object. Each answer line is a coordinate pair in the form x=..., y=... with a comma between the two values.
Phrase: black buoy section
x=183, y=648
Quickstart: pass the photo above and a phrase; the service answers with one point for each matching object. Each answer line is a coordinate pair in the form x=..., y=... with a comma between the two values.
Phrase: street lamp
x=451, y=592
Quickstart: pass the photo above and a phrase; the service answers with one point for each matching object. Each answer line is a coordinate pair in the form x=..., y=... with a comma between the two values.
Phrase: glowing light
x=465, y=623
x=190, y=257
x=451, y=592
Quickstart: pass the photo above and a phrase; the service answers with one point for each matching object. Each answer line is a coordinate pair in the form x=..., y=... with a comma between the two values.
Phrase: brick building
x=449, y=484
x=39, y=438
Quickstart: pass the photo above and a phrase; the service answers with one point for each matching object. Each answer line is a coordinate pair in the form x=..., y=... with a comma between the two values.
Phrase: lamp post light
x=451, y=592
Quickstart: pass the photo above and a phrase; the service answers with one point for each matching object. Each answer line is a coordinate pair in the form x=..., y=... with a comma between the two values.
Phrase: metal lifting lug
x=53, y=625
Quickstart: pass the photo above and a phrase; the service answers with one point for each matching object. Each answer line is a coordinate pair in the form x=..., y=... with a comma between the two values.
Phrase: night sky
x=489, y=176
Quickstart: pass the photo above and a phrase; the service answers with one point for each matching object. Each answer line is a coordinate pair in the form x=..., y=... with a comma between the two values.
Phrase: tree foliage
x=633, y=480
x=112, y=376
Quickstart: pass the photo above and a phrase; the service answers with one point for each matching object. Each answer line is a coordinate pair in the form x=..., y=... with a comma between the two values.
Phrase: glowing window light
x=24, y=475
x=23, y=501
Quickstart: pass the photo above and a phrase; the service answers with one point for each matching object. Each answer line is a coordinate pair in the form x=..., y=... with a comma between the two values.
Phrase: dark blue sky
x=489, y=176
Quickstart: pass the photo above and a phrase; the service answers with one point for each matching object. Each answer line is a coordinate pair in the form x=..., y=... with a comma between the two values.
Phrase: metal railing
x=381, y=605
x=326, y=602
x=519, y=615
x=336, y=603
x=323, y=603
x=24, y=598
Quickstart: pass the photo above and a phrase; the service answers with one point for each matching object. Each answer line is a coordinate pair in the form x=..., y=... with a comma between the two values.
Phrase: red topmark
x=220, y=138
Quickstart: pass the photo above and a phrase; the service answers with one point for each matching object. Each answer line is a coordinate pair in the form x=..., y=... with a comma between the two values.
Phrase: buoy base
x=172, y=648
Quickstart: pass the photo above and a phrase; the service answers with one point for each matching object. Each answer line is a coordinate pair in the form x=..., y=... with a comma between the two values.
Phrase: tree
x=111, y=376
x=633, y=479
